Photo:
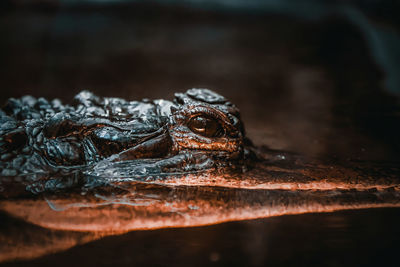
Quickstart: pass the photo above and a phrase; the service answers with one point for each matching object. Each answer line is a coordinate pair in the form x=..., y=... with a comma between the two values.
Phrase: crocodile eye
x=206, y=126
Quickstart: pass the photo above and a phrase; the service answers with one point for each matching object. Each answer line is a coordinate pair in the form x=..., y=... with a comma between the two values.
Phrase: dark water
x=315, y=87
x=351, y=238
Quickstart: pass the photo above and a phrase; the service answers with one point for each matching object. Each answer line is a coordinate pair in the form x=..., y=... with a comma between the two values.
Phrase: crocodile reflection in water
x=130, y=157
x=198, y=131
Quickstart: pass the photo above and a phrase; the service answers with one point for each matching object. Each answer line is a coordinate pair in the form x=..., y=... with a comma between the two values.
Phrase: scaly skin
x=130, y=156
x=198, y=131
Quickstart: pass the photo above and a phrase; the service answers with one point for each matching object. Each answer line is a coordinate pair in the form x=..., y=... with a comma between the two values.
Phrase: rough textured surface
x=311, y=87
x=200, y=130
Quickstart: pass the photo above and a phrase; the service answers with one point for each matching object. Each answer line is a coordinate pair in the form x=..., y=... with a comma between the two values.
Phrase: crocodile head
x=199, y=131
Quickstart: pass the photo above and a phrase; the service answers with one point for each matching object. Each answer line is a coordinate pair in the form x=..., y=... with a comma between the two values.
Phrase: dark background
x=314, y=77
x=319, y=78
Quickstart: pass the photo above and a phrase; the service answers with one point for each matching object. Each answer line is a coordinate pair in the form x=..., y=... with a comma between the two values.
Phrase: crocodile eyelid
x=201, y=110
x=194, y=111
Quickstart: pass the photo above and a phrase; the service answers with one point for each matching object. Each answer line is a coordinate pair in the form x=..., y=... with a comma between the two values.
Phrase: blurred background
x=315, y=77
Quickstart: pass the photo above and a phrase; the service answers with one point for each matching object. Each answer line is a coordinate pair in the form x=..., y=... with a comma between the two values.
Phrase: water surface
x=313, y=98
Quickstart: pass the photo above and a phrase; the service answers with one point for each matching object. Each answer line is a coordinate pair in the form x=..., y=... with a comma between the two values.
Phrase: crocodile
x=106, y=166
x=199, y=131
